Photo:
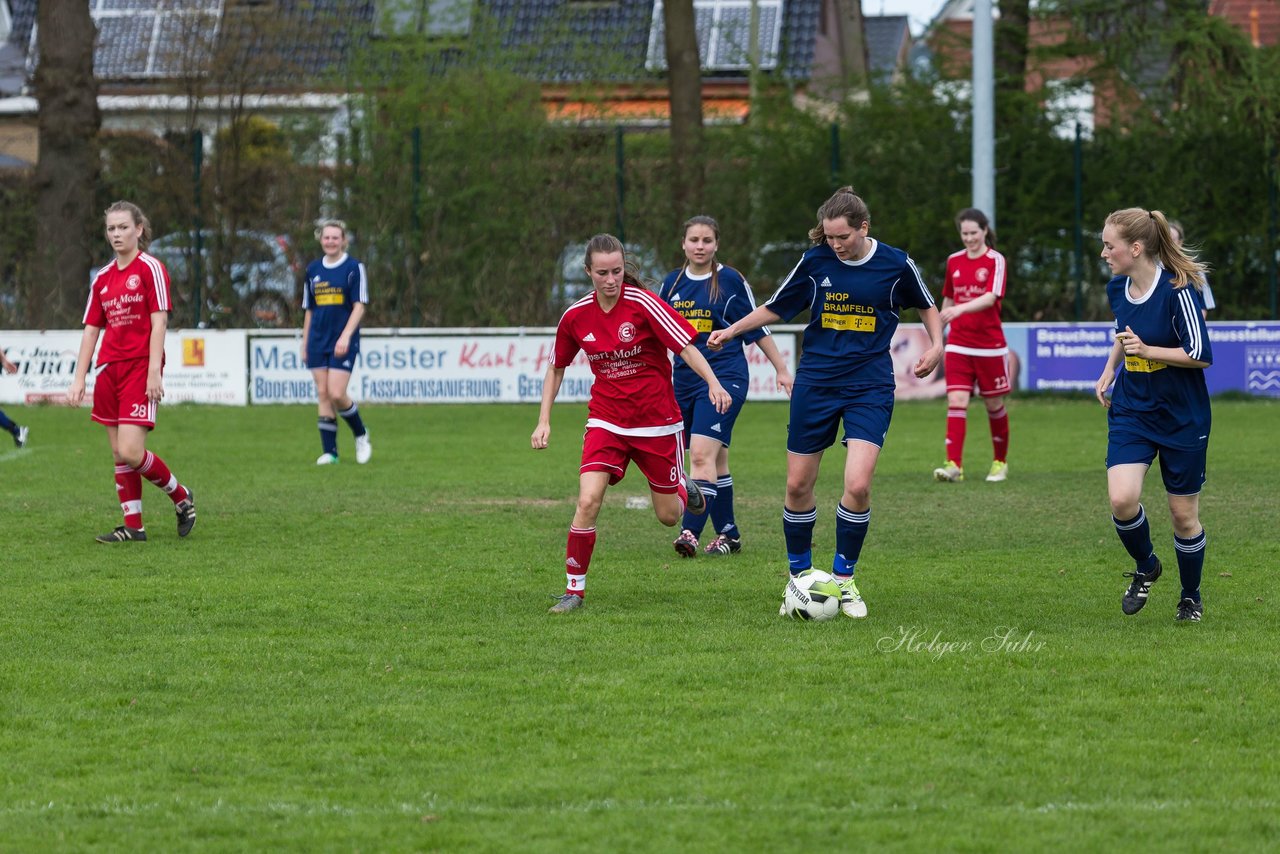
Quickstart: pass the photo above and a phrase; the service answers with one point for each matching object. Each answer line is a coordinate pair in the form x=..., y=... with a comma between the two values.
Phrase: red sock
x=957, y=420
x=129, y=489
x=683, y=492
x=154, y=470
x=577, y=559
x=999, y=434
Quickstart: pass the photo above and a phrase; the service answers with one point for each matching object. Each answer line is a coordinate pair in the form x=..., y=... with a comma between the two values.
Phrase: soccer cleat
x=566, y=603
x=123, y=534
x=999, y=471
x=697, y=503
x=327, y=460
x=851, y=604
x=782, y=609
x=949, y=473
x=723, y=545
x=1189, y=609
x=1136, y=596
x=686, y=544
x=364, y=450
x=20, y=438
x=186, y=510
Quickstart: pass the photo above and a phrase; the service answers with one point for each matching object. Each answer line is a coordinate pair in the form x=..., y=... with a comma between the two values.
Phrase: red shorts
x=659, y=458
x=989, y=373
x=120, y=395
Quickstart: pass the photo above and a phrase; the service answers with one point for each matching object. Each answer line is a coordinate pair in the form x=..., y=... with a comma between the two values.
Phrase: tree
x=684, y=76
x=67, y=170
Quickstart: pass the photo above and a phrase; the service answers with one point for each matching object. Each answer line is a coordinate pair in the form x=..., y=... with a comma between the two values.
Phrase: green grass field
x=360, y=658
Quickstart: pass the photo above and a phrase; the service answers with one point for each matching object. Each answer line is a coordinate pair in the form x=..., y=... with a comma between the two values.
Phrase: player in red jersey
x=129, y=298
x=625, y=332
x=976, y=351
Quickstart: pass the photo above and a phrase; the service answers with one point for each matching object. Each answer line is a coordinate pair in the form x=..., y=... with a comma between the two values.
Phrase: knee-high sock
x=957, y=423
x=797, y=528
x=328, y=435
x=851, y=531
x=999, y=421
x=696, y=523
x=352, y=417
x=129, y=490
x=722, y=513
x=1135, y=533
x=577, y=559
x=154, y=470
x=1190, y=563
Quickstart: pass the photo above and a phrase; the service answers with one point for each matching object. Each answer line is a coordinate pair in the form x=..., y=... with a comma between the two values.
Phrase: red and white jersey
x=627, y=350
x=121, y=303
x=978, y=333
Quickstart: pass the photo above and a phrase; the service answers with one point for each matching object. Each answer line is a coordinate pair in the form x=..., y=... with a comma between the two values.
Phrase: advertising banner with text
x=201, y=366
x=472, y=368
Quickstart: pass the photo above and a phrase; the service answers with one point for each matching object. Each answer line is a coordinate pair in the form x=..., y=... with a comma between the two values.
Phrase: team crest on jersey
x=134, y=282
x=626, y=333
x=983, y=273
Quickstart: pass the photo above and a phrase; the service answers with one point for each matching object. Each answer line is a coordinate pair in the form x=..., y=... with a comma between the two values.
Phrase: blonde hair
x=843, y=203
x=139, y=218
x=1151, y=229
x=332, y=223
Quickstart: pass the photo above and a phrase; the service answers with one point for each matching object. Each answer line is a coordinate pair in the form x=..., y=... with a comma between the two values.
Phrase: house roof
x=887, y=36
x=564, y=40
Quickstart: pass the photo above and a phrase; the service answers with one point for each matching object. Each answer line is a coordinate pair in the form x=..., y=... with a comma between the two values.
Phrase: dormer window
x=724, y=35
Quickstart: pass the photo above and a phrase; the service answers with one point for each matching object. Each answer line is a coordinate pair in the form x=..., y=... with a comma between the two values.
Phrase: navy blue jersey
x=690, y=295
x=330, y=294
x=1163, y=401
x=854, y=309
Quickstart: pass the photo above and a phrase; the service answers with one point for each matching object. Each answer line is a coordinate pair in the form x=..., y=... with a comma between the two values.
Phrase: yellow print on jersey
x=1139, y=365
x=841, y=314
x=699, y=318
x=327, y=294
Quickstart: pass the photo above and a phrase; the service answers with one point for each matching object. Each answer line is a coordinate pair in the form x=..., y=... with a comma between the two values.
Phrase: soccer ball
x=812, y=595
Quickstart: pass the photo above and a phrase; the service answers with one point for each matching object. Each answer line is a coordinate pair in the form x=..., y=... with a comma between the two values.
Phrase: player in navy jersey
x=712, y=296
x=335, y=296
x=1160, y=403
x=625, y=333
x=129, y=298
x=18, y=432
x=976, y=349
x=854, y=287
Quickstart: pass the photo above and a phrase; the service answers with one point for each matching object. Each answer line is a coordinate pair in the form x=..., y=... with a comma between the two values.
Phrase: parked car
x=263, y=270
x=572, y=282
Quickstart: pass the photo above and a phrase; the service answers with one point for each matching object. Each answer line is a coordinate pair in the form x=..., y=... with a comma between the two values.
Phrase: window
x=422, y=17
x=724, y=35
x=153, y=38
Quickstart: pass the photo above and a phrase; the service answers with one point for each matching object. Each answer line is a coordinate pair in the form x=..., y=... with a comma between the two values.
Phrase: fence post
x=1272, y=227
x=197, y=260
x=619, y=166
x=1078, y=261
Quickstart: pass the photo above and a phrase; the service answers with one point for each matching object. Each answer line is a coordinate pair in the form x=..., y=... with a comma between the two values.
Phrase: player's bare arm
x=1108, y=373
x=1134, y=346
x=550, y=388
x=694, y=359
x=928, y=361
x=760, y=317
x=88, y=342
x=155, y=381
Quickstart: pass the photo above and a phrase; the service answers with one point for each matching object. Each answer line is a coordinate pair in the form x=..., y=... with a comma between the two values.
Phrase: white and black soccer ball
x=812, y=595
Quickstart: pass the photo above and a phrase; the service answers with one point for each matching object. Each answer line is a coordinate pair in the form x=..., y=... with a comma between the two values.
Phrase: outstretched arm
x=762, y=316
x=719, y=397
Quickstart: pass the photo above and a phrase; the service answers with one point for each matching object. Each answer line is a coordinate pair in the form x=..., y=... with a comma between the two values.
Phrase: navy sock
x=1190, y=564
x=722, y=513
x=851, y=531
x=1135, y=533
x=695, y=523
x=6, y=424
x=797, y=528
x=352, y=417
x=328, y=435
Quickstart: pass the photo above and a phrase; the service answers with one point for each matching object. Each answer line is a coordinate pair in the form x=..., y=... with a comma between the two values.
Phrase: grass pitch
x=359, y=657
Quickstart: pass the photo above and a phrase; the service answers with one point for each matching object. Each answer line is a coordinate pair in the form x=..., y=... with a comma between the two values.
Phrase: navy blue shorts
x=1182, y=470
x=701, y=419
x=816, y=413
x=326, y=359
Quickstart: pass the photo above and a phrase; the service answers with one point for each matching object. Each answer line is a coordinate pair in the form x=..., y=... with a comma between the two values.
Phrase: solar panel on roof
x=724, y=35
